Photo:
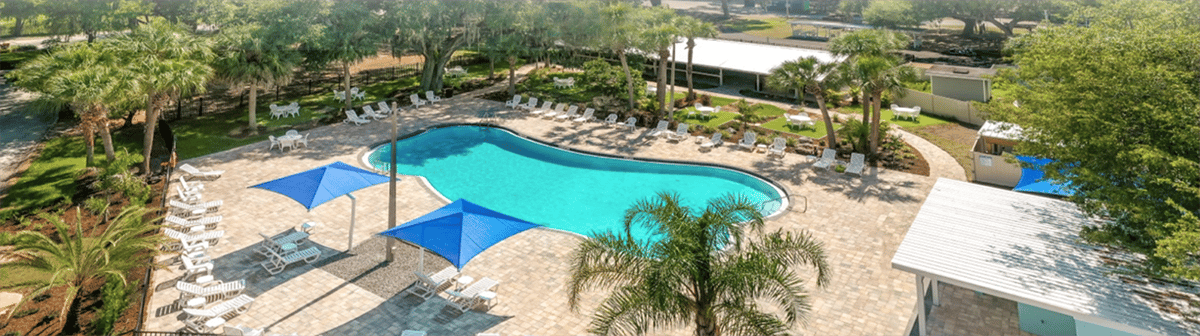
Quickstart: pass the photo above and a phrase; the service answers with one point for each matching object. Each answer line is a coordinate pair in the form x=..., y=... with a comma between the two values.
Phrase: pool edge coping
x=363, y=154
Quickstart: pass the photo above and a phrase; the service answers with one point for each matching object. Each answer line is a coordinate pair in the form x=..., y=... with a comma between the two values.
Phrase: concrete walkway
x=20, y=131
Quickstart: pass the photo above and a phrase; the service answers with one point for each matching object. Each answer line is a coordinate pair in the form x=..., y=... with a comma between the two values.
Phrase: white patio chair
x=192, y=267
x=304, y=140
x=777, y=147
x=370, y=112
x=545, y=108
x=828, y=158
x=531, y=104
x=428, y=286
x=274, y=142
x=271, y=245
x=188, y=197
x=241, y=331
x=558, y=109
x=714, y=142
x=218, y=291
x=198, y=319
x=186, y=225
x=293, y=109
x=630, y=123
x=339, y=95
x=190, y=187
x=572, y=113
x=431, y=97
x=384, y=108
x=416, y=100
x=352, y=117
x=748, y=140
x=357, y=94
x=611, y=119
x=277, y=112
x=661, y=129
x=857, y=163
x=182, y=209
x=516, y=100
x=191, y=242
x=588, y=115
x=194, y=172
x=681, y=132
x=469, y=298
x=277, y=263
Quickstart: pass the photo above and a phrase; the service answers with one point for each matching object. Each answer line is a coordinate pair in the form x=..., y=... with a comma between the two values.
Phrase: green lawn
x=714, y=121
x=923, y=120
x=767, y=27
x=781, y=125
x=51, y=177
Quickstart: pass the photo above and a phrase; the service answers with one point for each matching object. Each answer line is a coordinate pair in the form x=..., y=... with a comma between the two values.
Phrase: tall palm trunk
x=89, y=139
x=253, y=125
x=346, y=84
x=866, y=105
x=152, y=111
x=830, y=136
x=512, y=75
x=628, y=76
x=691, y=47
x=663, y=55
x=706, y=324
x=877, y=100
x=106, y=138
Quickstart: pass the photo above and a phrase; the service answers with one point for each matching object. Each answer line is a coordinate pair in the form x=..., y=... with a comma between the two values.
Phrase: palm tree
x=658, y=36
x=880, y=74
x=693, y=28
x=345, y=38
x=166, y=62
x=88, y=78
x=870, y=51
x=707, y=270
x=253, y=57
x=808, y=74
x=73, y=259
x=618, y=29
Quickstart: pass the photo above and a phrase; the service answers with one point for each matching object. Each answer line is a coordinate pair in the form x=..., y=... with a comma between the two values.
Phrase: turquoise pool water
x=553, y=187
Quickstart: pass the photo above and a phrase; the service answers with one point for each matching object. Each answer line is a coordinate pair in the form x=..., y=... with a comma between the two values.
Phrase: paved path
x=20, y=131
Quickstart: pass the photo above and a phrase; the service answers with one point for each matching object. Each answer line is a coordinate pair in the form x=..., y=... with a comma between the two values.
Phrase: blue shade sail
x=1034, y=180
x=459, y=231
x=319, y=185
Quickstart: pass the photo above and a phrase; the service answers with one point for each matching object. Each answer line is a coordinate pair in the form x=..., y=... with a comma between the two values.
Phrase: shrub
x=116, y=297
x=742, y=106
x=709, y=130
x=840, y=169
x=705, y=100
x=762, y=140
x=95, y=204
x=725, y=135
x=12, y=333
x=791, y=142
x=607, y=79
x=115, y=177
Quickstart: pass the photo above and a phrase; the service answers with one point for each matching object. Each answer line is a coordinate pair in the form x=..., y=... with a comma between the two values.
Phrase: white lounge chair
x=416, y=100
x=209, y=223
x=214, y=291
x=277, y=263
x=433, y=99
x=271, y=245
x=368, y=111
x=531, y=104
x=428, y=286
x=190, y=187
x=681, y=132
x=193, y=267
x=630, y=123
x=352, y=117
x=185, y=210
x=469, y=298
x=857, y=163
x=611, y=120
x=714, y=142
x=777, y=146
x=191, y=242
x=588, y=115
x=188, y=197
x=748, y=140
x=384, y=108
x=544, y=109
x=197, y=173
x=516, y=100
x=198, y=318
x=572, y=113
x=828, y=158
x=558, y=109
x=661, y=129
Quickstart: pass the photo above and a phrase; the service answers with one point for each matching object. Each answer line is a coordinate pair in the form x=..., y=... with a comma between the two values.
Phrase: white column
x=921, y=306
x=937, y=294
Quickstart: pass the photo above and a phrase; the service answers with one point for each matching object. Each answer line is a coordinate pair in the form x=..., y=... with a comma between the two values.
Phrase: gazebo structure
x=960, y=82
x=713, y=57
x=1026, y=249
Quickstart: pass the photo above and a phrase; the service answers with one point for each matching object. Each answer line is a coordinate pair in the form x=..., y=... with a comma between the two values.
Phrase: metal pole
x=387, y=254
x=353, y=206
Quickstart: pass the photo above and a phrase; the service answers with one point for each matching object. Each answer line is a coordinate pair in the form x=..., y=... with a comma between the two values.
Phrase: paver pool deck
x=861, y=221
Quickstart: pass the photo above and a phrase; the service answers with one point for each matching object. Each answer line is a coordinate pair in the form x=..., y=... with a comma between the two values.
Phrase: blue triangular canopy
x=1034, y=180
x=319, y=185
x=459, y=231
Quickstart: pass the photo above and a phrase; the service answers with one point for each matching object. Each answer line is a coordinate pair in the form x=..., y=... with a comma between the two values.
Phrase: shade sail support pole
x=388, y=247
x=353, y=207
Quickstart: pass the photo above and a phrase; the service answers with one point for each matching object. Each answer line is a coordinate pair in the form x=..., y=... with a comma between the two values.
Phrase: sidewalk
x=20, y=132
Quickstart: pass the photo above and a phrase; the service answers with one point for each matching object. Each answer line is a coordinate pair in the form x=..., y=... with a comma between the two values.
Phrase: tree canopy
x=1114, y=97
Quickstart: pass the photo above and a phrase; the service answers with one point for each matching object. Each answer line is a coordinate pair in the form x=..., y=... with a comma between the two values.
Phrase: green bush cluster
x=607, y=79
x=116, y=295
x=116, y=177
x=95, y=204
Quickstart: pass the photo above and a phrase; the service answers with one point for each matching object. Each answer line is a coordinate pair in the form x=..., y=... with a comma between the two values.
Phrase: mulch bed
x=42, y=313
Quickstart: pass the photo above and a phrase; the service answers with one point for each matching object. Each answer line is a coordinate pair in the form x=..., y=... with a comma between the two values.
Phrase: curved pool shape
x=553, y=187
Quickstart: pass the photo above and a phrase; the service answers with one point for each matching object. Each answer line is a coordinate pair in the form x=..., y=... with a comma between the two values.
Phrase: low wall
x=942, y=106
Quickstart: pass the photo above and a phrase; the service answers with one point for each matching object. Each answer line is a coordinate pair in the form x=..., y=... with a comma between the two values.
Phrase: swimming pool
x=553, y=187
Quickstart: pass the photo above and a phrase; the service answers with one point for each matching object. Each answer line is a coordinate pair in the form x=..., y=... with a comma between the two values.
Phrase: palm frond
x=605, y=261
x=635, y=310
x=745, y=320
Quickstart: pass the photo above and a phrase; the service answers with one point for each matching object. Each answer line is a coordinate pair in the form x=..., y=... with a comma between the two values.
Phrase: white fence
x=942, y=106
